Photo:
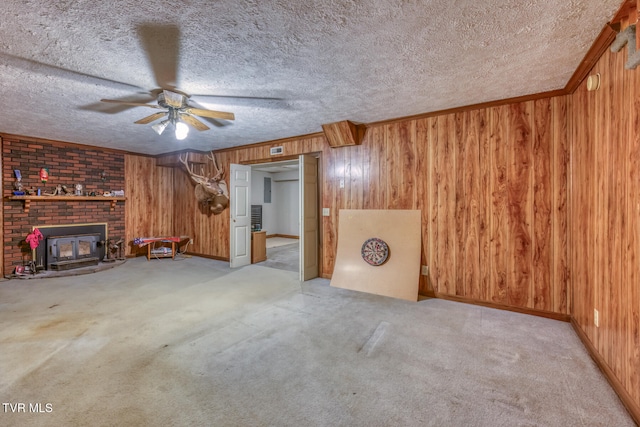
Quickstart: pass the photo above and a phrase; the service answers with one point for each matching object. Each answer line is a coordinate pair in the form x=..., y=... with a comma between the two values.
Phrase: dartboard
x=375, y=251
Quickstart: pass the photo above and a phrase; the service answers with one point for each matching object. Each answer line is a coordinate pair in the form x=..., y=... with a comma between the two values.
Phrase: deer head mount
x=212, y=190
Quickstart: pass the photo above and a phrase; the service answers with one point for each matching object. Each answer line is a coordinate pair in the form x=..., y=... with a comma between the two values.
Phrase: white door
x=240, y=215
x=308, y=217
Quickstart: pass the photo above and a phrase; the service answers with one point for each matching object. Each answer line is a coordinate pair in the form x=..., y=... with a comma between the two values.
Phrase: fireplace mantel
x=27, y=199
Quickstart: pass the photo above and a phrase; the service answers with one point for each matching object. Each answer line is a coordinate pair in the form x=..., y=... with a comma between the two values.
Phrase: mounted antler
x=209, y=190
x=219, y=171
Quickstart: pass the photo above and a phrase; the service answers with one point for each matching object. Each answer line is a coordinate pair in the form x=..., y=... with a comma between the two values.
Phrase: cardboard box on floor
x=399, y=276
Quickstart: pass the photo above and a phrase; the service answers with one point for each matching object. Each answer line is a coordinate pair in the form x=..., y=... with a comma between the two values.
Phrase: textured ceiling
x=283, y=67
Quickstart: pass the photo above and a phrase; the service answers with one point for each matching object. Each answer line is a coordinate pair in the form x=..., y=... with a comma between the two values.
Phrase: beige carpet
x=193, y=343
x=285, y=257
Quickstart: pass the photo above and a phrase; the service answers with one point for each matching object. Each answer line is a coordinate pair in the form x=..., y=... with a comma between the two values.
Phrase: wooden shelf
x=27, y=199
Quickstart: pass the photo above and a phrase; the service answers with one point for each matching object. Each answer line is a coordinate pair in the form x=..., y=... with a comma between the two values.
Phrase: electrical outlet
x=325, y=212
x=191, y=241
x=342, y=183
x=425, y=270
x=596, y=320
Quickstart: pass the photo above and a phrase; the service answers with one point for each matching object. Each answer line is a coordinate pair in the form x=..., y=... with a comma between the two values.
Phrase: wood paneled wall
x=491, y=184
x=605, y=221
x=149, y=208
x=497, y=196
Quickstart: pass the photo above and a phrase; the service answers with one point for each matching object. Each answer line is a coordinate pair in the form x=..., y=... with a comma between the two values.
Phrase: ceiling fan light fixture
x=160, y=127
x=182, y=130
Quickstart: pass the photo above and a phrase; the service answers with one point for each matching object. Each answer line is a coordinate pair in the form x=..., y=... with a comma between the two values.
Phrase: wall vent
x=276, y=150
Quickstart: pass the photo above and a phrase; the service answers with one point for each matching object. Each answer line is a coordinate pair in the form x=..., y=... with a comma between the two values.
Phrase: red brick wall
x=68, y=165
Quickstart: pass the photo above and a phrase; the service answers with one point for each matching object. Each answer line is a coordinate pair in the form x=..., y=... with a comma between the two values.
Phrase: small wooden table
x=147, y=241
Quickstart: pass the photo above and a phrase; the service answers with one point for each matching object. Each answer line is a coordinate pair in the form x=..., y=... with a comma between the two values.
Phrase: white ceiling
x=283, y=67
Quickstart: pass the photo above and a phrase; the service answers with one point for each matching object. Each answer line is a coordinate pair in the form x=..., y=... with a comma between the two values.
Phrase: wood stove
x=70, y=246
x=67, y=252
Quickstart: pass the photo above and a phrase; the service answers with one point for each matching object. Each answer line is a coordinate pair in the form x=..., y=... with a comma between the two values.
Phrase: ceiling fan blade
x=162, y=45
x=34, y=66
x=173, y=99
x=114, y=107
x=278, y=103
x=193, y=122
x=208, y=120
x=136, y=104
x=210, y=113
x=151, y=118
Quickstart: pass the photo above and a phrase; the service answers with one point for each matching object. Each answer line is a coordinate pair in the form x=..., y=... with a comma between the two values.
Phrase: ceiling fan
x=161, y=43
x=178, y=113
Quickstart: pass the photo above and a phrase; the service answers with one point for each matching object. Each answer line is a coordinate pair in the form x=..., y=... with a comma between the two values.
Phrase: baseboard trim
x=218, y=258
x=531, y=311
x=632, y=407
x=286, y=236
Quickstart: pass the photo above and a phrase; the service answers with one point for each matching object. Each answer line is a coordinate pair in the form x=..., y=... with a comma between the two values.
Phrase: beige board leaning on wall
x=399, y=275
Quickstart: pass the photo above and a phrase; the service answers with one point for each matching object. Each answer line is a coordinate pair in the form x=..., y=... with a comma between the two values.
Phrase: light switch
x=325, y=211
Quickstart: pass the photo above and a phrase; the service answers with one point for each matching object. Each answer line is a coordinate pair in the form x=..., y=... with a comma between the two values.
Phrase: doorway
x=275, y=201
x=281, y=201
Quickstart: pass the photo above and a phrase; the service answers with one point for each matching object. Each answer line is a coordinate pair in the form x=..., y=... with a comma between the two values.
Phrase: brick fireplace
x=68, y=165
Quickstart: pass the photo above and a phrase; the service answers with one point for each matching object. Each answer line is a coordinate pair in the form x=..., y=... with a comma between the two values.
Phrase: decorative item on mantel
x=44, y=175
x=61, y=190
x=19, y=191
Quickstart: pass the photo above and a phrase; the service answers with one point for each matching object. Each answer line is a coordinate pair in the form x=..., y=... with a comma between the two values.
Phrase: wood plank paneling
x=149, y=206
x=422, y=196
x=376, y=191
x=632, y=252
x=499, y=217
x=460, y=201
x=559, y=203
x=471, y=169
x=519, y=200
x=615, y=201
x=392, y=147
x=605, y=217
x=445, y=242
x=484, y=205
x=358, y=177
x=542, y=226
x=406, y=140
x=433, y=173
x=341, y=134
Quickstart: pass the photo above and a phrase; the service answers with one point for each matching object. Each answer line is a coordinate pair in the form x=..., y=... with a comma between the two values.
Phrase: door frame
x=288, y=158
